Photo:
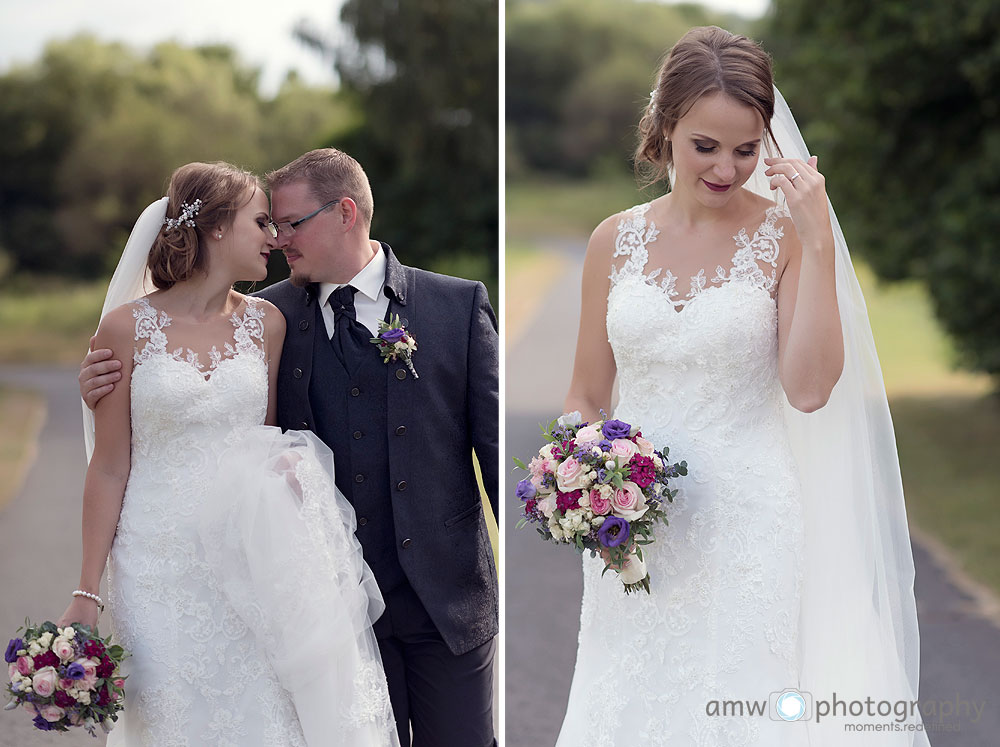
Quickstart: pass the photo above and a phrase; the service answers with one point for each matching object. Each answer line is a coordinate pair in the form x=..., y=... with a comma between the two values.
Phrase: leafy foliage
x=90, y=133
x=902, y=101
x=424, y=75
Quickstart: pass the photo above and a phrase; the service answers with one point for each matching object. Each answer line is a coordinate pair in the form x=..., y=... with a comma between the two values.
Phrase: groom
x=402, y=441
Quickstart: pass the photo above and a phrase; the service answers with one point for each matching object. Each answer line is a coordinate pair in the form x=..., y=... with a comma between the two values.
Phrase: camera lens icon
x=790, y=705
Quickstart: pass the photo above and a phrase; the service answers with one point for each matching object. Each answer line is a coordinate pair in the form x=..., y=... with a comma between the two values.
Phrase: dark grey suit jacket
x=451, y=409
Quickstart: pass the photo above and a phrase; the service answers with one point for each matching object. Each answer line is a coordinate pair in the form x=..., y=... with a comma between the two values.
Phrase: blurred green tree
x=579, y=73
x=425, y=77
x=91, y=132
x=902, y=103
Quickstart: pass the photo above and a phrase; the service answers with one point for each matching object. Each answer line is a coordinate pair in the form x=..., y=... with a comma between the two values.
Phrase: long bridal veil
x=858, y=621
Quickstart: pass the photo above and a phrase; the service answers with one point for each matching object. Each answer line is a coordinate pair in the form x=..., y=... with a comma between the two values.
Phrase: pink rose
x=25, y=665
x=645, y=447
x=588, y=435
x=89, y=680
x=67, y=683
x=30, y=708
x=571, y=475
x=629, y=502
x=51, y=713
x=62, y=648
x=11, y=671
x=119, y=683
x=44, y=681
x=598, y=504
x=623, y=448
x=547, y=505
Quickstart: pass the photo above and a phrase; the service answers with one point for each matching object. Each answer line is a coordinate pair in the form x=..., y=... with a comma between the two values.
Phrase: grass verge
x=21, y=417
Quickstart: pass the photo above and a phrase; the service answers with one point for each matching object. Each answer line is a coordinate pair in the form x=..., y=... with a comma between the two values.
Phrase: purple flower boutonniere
x=395, y=343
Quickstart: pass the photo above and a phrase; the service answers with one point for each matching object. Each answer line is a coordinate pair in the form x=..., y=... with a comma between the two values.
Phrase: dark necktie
x=350, y=336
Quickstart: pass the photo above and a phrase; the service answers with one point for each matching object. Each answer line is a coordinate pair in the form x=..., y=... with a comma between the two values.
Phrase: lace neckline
x=151, y=322
x=634, y=234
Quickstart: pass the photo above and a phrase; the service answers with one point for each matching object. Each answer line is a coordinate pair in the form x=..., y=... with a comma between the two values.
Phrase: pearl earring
x=218, y=236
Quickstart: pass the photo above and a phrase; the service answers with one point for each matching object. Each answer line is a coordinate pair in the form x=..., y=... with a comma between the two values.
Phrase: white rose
x=597, y=521
x=546, y=451
x=607, y=491
x=34, y=649
x=584, y=499
x=45, y=640
x=411, y=343
x=557, y=532
x=399, y=347
x=585, y=526
x=570, y=418
x=83, y=697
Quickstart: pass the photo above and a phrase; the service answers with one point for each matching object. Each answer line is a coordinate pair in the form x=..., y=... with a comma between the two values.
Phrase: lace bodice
x=174, y=396
x=712, y=364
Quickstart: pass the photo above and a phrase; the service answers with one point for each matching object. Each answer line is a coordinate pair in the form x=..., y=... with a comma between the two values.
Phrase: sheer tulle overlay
x=235, y=578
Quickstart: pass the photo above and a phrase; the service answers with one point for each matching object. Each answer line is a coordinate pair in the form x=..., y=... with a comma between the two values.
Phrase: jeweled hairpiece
x=186, y=218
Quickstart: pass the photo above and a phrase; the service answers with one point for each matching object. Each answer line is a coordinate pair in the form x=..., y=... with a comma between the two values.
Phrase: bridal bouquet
x=601, y=487
x=65, y=677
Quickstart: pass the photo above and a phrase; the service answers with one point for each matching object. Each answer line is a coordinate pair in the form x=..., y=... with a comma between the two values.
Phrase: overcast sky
x=260, y=29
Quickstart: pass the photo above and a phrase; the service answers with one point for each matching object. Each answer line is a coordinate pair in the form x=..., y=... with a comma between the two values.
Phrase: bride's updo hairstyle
x=179, y=250
x=705, y=60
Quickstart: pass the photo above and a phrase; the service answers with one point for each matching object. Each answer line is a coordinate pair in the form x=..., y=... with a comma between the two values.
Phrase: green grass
x=543, y=207
x=21, y=415
x=48, y=321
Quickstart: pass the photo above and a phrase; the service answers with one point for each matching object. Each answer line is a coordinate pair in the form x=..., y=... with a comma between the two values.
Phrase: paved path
x=960, y=651
x=40, y=542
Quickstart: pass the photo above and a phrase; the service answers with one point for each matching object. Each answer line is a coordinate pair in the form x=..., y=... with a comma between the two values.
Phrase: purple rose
x=392, y=335
x=613, y=429
x=613, y=531
x=10, y=655
x=75, y=671
x=525, y=490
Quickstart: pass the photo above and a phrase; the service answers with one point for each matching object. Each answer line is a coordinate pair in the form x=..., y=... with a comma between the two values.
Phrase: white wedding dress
x=235, y=579
x=721, y=622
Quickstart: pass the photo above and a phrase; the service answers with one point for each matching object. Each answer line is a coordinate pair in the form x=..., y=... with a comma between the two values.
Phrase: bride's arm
x=109, y=467
x=594, y=367
x=274, y=341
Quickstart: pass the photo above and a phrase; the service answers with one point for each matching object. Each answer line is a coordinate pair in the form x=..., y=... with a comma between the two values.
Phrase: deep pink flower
x=567, y=501
x=48, y=659
x=641, y=471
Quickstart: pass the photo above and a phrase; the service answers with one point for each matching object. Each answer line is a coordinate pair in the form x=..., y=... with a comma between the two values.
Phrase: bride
x=730, y=314
x=235, y=579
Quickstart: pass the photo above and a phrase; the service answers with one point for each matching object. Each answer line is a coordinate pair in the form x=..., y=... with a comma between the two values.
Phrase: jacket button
x=303, y=325
x=401, y=430
x=400, y=373
x=362, y=521
x=297, y=373
x=357, y=435
x=304, y=426
x=359, y=478
x=355, y=392
x=407, y=542
x=401, y=485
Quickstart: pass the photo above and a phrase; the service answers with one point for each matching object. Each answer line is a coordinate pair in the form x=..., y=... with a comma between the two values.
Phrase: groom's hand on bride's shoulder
x=98, y=374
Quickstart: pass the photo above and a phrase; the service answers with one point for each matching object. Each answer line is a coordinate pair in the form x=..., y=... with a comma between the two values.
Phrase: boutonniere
x=394, y=342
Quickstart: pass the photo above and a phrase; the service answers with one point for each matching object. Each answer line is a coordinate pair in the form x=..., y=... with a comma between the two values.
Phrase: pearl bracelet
x=88, y=595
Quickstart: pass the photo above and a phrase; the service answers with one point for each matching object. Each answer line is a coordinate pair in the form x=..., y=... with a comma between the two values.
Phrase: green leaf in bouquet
x=638, y=552
x=617, y=480
x=116, y=651
x=48, y=627
x=520, y=464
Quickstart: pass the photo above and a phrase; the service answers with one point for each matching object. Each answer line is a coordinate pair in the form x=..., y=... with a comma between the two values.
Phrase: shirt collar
x=369, y=281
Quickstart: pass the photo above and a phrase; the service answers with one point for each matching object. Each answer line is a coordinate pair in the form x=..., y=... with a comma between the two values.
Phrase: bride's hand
x=805, y=193
x=81, y=610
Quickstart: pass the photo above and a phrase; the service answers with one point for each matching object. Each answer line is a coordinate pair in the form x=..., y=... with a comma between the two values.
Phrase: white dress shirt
x=370, y=302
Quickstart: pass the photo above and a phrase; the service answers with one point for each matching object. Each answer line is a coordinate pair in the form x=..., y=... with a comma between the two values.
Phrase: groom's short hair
x=330, y=174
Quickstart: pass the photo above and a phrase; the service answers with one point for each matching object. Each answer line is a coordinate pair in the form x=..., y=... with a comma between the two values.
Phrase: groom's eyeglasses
x=287, y=228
